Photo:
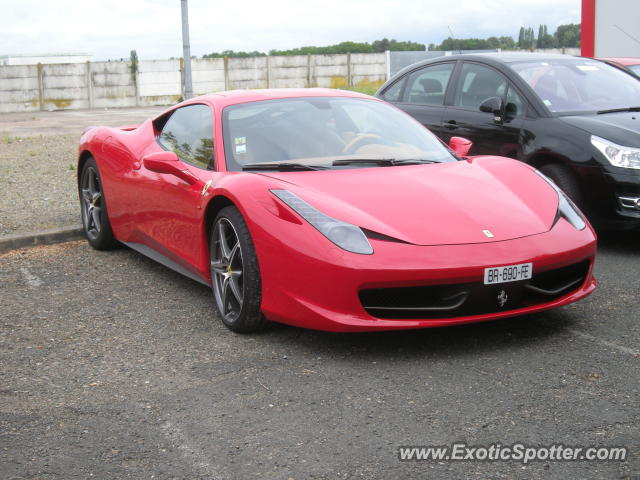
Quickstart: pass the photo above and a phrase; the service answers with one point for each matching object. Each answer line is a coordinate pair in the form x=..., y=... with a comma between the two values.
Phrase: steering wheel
x=360, y=140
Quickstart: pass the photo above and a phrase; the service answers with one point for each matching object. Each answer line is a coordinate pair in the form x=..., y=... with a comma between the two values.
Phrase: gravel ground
x=114, y=367
x=38, y=179
x=38, y=153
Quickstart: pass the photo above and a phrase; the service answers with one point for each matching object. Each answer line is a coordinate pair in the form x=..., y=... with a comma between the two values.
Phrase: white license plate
x=510, y=273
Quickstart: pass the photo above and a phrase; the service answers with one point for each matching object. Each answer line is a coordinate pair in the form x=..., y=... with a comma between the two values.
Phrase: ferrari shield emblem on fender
x=502, y=298
x=488, y=233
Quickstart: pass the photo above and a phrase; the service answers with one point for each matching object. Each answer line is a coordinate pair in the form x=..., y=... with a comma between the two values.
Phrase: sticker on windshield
x=588, y=68
x=240, y=144
x=547, y=102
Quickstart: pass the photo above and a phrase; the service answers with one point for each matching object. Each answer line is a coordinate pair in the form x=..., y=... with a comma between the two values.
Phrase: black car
x=575, y=119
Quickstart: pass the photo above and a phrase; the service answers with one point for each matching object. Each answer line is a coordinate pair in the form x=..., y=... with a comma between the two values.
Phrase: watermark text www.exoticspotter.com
x=516, y=452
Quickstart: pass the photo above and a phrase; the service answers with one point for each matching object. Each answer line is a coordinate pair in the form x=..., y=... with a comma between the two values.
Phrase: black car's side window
x=428, y=85
x=476, y=84
x=189, y=133
x=392, y=94
x=515, y=106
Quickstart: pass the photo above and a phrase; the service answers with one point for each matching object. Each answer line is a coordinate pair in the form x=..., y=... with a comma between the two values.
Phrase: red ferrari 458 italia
x=332, y=210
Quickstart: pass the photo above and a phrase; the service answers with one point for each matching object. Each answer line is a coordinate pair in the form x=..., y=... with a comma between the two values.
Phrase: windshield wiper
x=282, y=167
x=616, y=110
x=382, y=162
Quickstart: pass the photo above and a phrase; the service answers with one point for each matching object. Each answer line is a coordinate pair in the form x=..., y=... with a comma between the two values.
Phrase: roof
x=510, y=57
x=232, y=97
x=495, y=58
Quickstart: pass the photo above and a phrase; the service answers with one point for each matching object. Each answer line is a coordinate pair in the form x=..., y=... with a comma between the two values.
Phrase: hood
x=436, y=204
x=622, y=128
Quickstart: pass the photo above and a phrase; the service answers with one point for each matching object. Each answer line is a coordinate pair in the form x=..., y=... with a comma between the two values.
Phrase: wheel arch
x=217, y=203
x=544, y=158
x=82, y=159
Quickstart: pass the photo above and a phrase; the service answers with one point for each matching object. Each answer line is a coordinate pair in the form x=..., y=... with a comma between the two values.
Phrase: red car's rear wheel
x=95, y=220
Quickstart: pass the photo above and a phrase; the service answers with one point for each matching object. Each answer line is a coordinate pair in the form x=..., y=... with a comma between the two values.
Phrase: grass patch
x=9, y=139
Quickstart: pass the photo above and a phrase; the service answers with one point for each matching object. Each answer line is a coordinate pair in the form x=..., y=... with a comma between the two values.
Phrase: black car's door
x=493, y=132
x=421, y=94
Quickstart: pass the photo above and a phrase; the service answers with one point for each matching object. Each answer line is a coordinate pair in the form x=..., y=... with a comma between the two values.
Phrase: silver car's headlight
x=618, y=156
x=566, y=208
x=346, y=236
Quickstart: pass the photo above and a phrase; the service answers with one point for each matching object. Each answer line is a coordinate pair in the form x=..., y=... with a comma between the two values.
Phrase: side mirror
x=169, y=164
x=492, y=105
x=460, y=145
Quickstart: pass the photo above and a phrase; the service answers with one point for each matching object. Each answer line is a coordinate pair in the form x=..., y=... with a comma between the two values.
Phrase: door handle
x=451, y=124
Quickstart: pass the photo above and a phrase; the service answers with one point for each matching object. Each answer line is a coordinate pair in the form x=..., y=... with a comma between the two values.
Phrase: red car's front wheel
x=235, y=275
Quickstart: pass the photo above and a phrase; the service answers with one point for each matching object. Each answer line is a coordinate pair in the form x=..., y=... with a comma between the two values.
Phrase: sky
x=110, y=29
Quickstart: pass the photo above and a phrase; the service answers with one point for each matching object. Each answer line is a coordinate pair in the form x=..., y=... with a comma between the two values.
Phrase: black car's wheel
x=235, y=275
x=563, y=177
x=95, y=219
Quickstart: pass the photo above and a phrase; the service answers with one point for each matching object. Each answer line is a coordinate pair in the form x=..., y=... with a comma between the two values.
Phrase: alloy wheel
x=227, y=269
x=92, y=202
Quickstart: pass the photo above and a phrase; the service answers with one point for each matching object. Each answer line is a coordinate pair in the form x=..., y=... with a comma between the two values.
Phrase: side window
x=392, y=94
x=428, y=85
x=189, y=133
x=515, y=106
x=476, y=84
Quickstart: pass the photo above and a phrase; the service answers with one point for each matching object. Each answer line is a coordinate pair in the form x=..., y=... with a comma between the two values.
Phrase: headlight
x=618, y=156
x=346, y=236
x=566, y=208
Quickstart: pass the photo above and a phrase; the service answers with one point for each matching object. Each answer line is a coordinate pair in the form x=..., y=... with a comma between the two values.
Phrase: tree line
x=565, y=36
x=344, y=47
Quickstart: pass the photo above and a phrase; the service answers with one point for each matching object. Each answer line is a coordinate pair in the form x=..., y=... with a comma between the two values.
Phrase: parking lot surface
x=115, y=367
x=70, y=122
x=38, y=157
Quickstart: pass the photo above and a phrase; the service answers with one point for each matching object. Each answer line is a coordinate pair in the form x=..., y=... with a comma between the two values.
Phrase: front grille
x=467, y=299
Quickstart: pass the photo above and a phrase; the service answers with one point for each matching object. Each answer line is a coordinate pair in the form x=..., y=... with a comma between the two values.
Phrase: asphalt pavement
x=113, y=366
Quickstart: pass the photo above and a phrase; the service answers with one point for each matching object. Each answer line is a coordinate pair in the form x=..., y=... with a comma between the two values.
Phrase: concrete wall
x=19, y=88
x=158, y=82
x=113, y=85
x=44, y=59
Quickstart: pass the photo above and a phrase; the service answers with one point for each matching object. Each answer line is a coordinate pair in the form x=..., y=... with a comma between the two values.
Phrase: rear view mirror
x=168, y=163
x=460, y=146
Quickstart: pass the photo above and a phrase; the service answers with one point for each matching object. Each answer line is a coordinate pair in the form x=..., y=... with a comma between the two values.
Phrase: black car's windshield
x=579, y=84
x=634, y=68
x=325, y=132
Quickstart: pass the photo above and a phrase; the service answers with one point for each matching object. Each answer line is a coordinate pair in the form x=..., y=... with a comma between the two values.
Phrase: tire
x=93, y=208
x=564, y=179
x=235, y=274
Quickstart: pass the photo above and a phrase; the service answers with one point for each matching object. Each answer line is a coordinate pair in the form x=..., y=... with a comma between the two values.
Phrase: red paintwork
x=440, y=210
x=588, y=28
x=622, y=61
x=460, y=145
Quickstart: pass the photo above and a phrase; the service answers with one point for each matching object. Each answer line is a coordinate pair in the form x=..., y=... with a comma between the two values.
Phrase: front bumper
x=319, y=287
x=611, y=196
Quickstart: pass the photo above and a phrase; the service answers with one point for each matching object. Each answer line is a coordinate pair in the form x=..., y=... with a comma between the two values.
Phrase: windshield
x=325, y=132
x=580, y=85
